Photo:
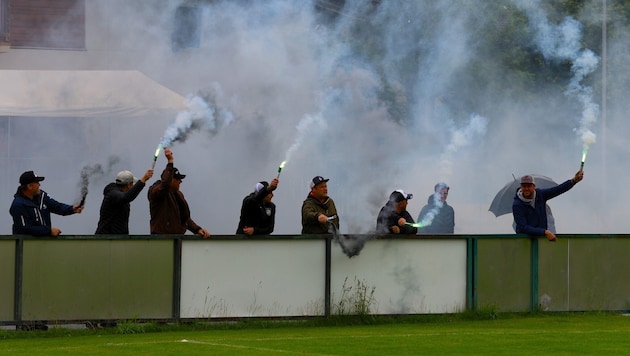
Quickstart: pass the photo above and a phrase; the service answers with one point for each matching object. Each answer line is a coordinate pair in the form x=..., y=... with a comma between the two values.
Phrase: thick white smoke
x=307, y=124
x=401, y=81
x=563, y=42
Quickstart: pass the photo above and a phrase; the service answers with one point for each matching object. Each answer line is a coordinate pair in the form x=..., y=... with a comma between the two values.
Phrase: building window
x=51, y=24
x=187, y=30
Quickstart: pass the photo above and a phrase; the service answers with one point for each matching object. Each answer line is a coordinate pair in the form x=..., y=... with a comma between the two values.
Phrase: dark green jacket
x=311, y=208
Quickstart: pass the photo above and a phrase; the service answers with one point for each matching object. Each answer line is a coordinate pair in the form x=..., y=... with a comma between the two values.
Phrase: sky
x=375, y=98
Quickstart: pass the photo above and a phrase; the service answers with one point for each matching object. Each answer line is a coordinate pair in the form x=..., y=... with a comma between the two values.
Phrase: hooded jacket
x=256, y=214
x=531, y=217
x=443, y=221
x=116, y=207
x=388, y=217
x=311, y=208
x=32, y=217
x=169, y=210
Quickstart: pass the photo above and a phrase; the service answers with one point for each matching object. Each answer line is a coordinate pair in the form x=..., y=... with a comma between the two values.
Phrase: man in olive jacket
x=170, y=213
x=318, y=209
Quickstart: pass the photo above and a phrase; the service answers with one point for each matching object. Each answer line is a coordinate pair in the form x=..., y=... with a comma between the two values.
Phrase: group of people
x=436, y=217
x=170, y=213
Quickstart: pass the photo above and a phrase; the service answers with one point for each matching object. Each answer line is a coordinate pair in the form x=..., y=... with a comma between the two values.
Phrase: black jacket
x=256, y=214
x=388, y=217
x=443, y=218
x=115, y=208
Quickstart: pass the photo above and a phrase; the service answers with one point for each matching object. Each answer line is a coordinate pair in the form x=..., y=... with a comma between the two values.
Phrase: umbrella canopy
x=502, y=202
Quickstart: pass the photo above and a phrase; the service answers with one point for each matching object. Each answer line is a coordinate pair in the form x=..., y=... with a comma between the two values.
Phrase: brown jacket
x=169, y=210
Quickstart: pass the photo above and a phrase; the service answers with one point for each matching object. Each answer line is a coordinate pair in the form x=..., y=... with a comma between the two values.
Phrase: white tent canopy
x=89, y=93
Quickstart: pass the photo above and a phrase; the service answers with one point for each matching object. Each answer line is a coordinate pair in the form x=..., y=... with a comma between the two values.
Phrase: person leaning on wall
x=394, y=217
x=116, y=205
x=318, y=209
x=169, y=209
x=258, y=212
x=31, y=208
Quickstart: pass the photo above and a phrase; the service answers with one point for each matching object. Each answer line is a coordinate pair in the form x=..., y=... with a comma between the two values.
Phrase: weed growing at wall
x=355, y=299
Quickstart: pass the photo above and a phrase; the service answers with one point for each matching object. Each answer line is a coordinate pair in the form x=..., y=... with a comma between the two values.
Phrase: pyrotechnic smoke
x=461, y=138
x=351, y=245
x=407, y=277
x=94, y=172
x=437, y=205
x=563, y=42
x=307, y=122
x=203, y=113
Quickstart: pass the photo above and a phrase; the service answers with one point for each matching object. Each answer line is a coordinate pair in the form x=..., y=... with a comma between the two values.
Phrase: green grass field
x=540, y=334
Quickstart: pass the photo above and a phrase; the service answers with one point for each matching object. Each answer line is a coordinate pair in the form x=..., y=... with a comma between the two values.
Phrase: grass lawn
x=540, y=334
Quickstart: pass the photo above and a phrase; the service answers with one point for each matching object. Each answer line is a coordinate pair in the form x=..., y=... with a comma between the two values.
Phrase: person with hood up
x=258, y=213
x=394, y=217
x=116, y=205
x=439, y=216
x=31, y=208
x=529, y=207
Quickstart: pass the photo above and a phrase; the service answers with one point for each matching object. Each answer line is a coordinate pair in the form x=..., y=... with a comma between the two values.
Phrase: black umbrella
x=502, y=202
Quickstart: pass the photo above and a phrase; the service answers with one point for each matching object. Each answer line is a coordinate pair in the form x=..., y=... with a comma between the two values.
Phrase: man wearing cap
x=529, y=206
x=169, y=210
x=437, y=217
x=318, y=209
x=116, y=205
x=32, y=206
x=258, y=213
x=394, y=217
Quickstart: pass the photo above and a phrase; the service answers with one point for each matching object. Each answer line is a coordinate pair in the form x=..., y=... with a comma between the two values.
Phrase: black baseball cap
x=177, y=174
x=29, y=177
x=316, y=180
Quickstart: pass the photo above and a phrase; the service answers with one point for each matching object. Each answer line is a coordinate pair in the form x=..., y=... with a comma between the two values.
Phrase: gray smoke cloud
x=202, y=114
x=403, y=95
x=94, y=172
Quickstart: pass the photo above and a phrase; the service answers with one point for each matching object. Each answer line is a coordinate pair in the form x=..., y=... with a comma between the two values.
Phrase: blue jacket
x=32, y=217
x=533, y=220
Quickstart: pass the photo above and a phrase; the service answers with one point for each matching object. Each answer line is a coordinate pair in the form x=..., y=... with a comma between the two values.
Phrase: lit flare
x=155, y=156
x=414, y=224
x=280, y=168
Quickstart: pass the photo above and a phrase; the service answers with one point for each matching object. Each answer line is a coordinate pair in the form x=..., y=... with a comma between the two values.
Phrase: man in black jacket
x=117, y=198
x=437, y=217
x=394, y=217
x=258, y=213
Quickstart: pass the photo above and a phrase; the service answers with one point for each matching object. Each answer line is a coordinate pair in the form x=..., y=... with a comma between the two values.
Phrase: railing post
x=327, y=278
x=177, y=278
x=534, y=274
x=471, y=273
x=17, y=293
